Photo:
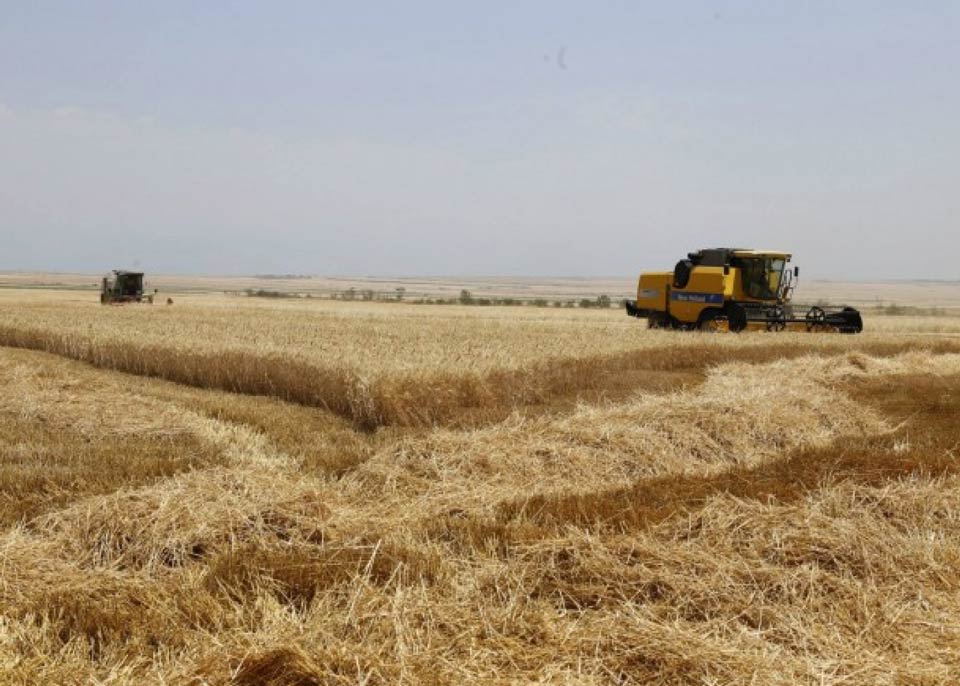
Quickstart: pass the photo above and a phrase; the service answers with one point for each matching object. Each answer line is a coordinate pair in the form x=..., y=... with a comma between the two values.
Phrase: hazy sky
x=540, y=138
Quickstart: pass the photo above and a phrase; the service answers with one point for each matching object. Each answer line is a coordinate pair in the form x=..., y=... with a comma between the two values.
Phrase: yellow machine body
x=707, y=287
x=711, y=286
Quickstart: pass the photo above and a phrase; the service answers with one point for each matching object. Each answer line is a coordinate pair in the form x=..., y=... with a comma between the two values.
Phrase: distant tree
x=603, y=301
x=367, y=295
x=466, y=297
x=400, y=291
x=350, y=294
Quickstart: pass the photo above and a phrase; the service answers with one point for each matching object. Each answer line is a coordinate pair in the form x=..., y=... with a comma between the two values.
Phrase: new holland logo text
x=709, y=298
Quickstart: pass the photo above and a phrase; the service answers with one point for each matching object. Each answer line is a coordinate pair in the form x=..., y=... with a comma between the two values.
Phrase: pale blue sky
x=413, y=138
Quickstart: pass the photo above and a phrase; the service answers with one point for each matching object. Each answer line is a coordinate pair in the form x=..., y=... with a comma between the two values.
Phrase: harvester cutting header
x=733, y=288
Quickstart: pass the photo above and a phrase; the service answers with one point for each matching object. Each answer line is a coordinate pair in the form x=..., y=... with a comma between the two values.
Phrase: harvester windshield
x=123, y=287
x=762, y=276
x=129, y=284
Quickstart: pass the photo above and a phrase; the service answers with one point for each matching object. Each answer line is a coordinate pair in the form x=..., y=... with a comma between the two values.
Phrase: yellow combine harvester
x=732, y=288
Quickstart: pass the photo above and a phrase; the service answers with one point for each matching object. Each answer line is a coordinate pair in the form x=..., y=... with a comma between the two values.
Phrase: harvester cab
x=733, y=288
x=123, y=287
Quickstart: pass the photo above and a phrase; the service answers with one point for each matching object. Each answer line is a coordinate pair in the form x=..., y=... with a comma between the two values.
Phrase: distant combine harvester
x=121, y=286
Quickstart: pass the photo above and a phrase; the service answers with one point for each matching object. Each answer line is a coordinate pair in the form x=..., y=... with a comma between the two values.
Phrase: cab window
x=762, y=277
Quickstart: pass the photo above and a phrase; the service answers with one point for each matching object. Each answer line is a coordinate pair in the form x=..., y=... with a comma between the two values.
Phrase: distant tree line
x=466, y=297
x=262, y=293
x=369, y=295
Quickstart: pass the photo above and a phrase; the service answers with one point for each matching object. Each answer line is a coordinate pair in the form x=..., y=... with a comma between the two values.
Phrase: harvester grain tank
x=734, y=288
x=121, y=286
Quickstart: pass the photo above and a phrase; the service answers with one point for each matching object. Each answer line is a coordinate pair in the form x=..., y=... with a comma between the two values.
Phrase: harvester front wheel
x=736, y=316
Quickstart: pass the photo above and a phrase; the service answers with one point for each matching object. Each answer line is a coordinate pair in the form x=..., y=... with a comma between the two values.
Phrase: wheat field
x=235, y=491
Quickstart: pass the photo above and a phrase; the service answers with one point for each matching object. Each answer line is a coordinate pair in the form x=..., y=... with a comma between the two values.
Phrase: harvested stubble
x=740, y=415
x=66, y=432
x=395, y=365
x=69, y=431
x=261, y=573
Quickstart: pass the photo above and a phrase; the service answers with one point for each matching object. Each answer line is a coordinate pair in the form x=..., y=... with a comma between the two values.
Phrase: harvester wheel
x=736, y=317
x=712, y=321
x=658, y=321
